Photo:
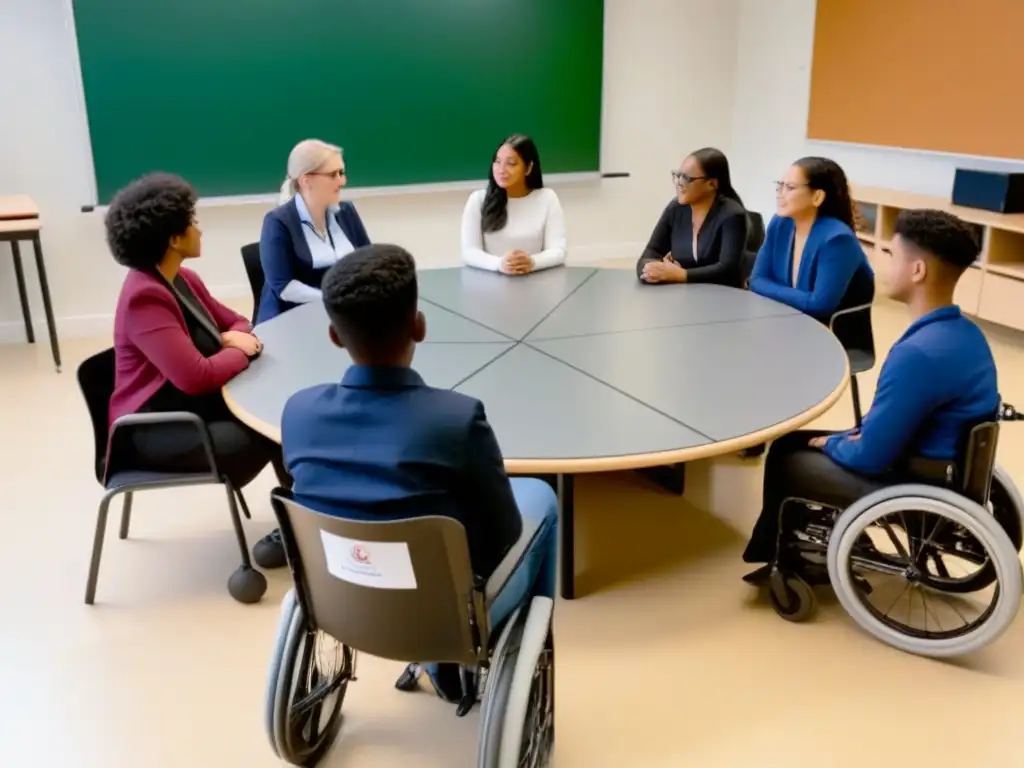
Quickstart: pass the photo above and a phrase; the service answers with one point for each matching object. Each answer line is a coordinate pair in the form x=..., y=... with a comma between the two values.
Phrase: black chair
x=755, y=239
x=96, y=381
x=851, y=324
x=254, y=271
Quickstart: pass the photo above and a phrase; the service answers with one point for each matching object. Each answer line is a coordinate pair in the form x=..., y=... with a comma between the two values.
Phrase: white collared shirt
x=324, y=251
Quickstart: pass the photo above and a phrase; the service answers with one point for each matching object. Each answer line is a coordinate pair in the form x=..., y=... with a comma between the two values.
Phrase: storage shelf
x=993, y=288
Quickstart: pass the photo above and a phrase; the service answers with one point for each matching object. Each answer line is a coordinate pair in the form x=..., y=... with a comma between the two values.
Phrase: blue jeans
x=535, y=574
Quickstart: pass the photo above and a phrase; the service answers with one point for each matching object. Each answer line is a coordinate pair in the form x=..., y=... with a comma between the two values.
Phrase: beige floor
x=667, y=661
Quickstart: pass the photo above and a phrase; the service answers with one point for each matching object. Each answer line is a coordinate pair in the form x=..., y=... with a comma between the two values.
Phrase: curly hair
x=828, y=176
x=941, y=234
x=371, y=297
x=145, y=215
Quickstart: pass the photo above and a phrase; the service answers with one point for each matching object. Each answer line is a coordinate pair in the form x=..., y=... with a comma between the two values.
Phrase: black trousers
x=241, y=453
x=793, y=469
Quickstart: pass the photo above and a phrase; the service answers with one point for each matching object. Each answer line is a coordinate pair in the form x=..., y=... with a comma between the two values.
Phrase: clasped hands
x=516, y=262
x=665, y=271
x=249, y=345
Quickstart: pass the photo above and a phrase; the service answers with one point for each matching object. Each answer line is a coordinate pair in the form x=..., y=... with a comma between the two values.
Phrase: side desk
x=19, y=222
x=993, y=288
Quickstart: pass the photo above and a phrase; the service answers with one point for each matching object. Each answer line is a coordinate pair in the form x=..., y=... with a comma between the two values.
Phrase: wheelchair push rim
x=313, y=676
x=910, y=587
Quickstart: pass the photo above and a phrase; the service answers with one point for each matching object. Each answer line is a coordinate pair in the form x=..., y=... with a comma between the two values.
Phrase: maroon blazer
x=152, y=345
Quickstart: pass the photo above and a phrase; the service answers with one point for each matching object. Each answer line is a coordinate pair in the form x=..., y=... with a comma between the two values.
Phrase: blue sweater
x=285, y=254
x=938, y=381
x=830, y=259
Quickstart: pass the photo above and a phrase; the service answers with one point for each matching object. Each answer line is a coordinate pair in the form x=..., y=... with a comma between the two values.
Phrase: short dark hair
x=370, y=297
x=145, y=215
x=941, y=234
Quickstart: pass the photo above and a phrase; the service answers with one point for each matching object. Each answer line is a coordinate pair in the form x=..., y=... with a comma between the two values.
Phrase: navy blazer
x=384, y=445
x=285, y=256
x=834, y=272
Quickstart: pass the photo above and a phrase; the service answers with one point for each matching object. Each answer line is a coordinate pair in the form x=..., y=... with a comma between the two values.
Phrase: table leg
x=672, y=477
x=567, y=538
x=19, y=278
x=44, y=286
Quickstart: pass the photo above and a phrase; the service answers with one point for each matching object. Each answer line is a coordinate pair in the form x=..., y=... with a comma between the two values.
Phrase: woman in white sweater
x=515, y=226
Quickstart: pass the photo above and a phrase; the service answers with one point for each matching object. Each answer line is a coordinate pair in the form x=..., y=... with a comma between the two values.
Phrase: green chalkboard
x=415, y=91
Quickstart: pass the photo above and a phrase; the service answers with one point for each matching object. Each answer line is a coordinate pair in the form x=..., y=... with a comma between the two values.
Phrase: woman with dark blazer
x=811, y=258
x=304, y=236
x=175, y=345
x=701, y=234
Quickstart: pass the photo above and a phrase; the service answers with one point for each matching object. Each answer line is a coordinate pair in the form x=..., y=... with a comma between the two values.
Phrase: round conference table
x=585, y=370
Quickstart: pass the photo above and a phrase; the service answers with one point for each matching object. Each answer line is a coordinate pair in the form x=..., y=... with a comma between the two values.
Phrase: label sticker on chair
x=374, y=564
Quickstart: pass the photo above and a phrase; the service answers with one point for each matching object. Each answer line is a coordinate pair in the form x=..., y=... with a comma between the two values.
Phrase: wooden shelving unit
x=993, y=289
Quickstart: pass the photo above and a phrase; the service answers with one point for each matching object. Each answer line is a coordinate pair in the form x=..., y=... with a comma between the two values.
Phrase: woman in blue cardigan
x=811, y=259
x=309, y=232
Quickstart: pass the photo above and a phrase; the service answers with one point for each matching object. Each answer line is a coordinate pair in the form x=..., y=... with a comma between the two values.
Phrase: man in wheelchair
x=382, y=445
x=937, y=383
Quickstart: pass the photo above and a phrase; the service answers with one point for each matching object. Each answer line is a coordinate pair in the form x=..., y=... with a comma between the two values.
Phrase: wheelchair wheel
x=312, y=675
x=958, y=544
x=517, y=726
x=902, y=583
x=797, y=602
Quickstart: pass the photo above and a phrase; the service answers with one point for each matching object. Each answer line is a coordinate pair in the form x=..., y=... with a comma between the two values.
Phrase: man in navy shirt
x=381, y=444
x=938, y=381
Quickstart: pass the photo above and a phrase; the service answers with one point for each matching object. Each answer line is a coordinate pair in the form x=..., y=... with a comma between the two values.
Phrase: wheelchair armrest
x=128, y=422
x=846, y=312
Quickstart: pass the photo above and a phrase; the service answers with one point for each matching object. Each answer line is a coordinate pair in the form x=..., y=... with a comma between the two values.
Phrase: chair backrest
x=851, y=323
x=254, y=271
x=96, y=382
x=755, y=239
x=755, y=232
x=980, y=461
x=400, y=590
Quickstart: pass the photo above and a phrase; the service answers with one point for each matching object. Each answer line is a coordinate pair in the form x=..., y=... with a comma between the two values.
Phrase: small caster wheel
x=247, y=585
x=409, y=679
x=796, y=602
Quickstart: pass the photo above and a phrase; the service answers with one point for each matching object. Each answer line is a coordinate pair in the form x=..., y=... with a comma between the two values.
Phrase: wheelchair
x=403, y=590
x=897, y=547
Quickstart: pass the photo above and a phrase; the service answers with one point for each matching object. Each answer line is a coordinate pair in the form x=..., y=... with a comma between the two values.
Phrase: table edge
x=618, y=463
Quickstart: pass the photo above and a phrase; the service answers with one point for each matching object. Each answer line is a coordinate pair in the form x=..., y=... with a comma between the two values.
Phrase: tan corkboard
x=937, y=75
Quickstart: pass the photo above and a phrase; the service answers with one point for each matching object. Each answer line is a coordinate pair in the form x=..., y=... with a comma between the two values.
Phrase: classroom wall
x=773, y=68
x=670, y=72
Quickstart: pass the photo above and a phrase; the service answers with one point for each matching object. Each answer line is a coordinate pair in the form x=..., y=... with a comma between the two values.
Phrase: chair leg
x=236, y=521
x=97, y=546
x=243, y=505
x=855, y=391
x=126, y=515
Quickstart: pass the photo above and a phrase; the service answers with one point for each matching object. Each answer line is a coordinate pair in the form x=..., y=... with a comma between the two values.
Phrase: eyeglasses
x=329, y=174
x=788, y=186
x=684, y=178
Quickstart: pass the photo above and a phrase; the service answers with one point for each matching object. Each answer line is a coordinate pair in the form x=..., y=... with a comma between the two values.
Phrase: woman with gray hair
x=309, y=231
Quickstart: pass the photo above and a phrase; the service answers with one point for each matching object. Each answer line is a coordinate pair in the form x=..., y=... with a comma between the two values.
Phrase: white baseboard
x=95, y=326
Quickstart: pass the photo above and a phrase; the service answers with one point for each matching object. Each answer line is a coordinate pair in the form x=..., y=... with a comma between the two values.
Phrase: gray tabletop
x=584, y=365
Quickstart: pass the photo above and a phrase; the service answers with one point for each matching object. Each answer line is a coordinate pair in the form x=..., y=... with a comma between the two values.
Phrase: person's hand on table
x=665, y=271
x=516, y=262
x=247, y=343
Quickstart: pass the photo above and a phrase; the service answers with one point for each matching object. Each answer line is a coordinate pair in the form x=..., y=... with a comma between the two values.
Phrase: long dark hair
x=494, y=212
x=715, y=165
x=829, y=177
